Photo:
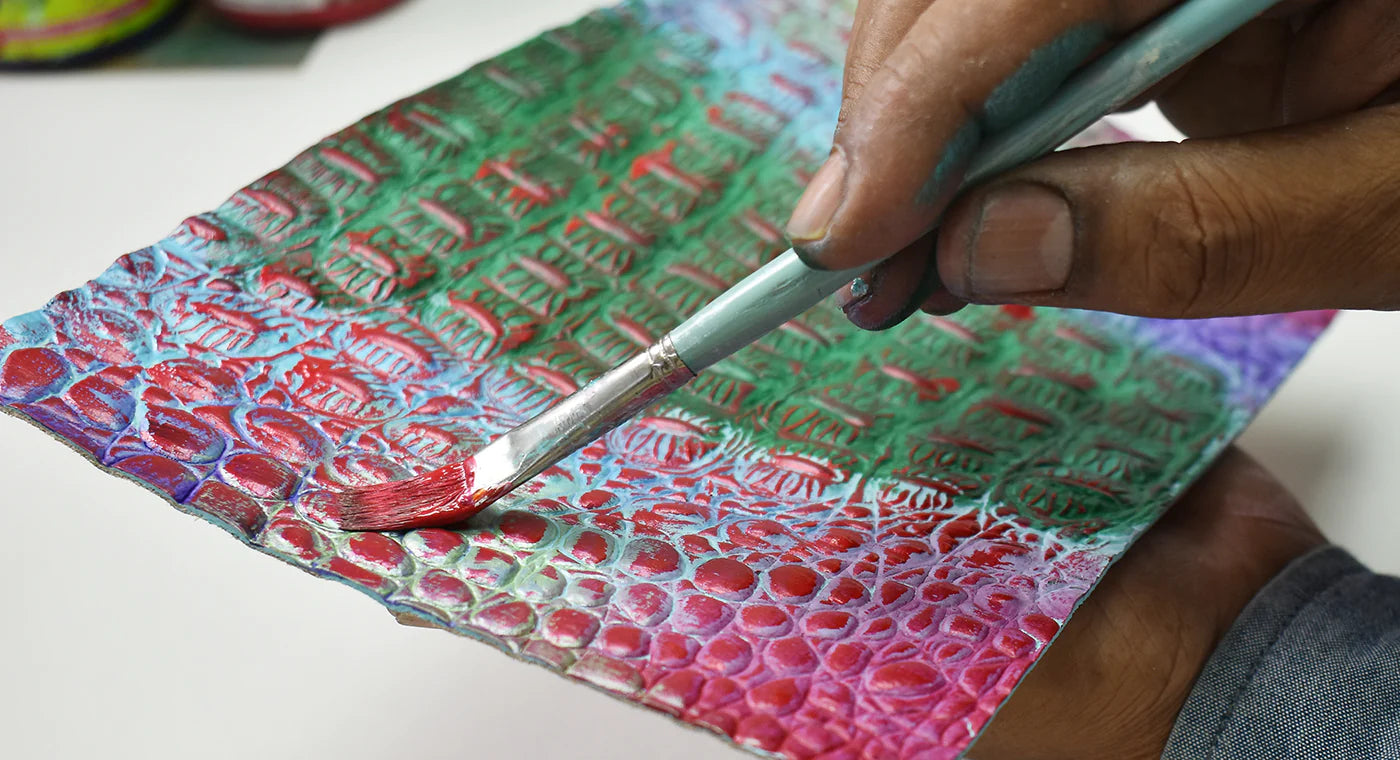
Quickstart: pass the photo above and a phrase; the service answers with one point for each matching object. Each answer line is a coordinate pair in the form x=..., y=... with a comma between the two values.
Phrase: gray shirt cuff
x=1310, y=669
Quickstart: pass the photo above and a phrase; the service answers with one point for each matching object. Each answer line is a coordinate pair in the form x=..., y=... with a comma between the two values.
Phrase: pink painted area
x=296, y=16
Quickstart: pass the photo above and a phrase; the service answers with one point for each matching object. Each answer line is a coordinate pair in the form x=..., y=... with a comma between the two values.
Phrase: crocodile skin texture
x=833, y=545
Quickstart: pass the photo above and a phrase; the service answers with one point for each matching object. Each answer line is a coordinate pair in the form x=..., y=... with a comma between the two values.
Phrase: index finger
x=878, y=27
x=964, y=69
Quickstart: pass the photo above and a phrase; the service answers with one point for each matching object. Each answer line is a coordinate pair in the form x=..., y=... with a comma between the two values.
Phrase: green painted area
x=556, y=208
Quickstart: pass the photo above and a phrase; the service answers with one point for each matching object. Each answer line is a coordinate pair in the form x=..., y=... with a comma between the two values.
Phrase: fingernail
x=414, y=621
x=1023, y=242
x=854, y=294
x=812, y=217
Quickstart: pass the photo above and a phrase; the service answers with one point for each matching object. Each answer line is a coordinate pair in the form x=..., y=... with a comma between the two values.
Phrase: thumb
x=1297, y=219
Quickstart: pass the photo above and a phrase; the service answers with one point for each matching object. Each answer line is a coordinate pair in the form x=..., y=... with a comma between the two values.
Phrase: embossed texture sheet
x=834, y=544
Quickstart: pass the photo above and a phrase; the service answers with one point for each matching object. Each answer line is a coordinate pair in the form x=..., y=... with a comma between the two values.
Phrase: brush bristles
x=439, y=497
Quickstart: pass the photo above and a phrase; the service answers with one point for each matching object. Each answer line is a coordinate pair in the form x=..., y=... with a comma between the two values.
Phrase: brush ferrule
x=610, y=400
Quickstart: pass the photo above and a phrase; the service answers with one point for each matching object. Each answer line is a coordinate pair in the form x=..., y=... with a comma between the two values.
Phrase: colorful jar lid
x=55, y=32
x=297, y=15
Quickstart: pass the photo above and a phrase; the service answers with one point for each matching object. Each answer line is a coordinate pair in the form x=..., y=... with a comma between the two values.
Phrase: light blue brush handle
x=785, y=287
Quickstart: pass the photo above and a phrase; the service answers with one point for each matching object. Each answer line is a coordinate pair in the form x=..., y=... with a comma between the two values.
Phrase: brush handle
x=785, y=287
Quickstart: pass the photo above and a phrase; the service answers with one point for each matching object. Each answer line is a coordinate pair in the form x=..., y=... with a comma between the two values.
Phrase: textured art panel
x=834, y=544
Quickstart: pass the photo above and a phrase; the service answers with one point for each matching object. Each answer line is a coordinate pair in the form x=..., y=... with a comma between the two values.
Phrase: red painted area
x=762, y=731
x=976, y=679
x=596, y=499
x=434, y=545
x=840, y=540
x=354, y=573
x=624, y=641
x=233, y=508
x=1018, y=311
x=294, y=539
x=284, y=435
x=101, y=403
x=793, y=582
x=996, y=553
x=443, y=588
x=778, y=697
x=827, y=624
x=30, y=374
x=846, y=591
x=645, y=604
x=790, y=655
x=903, y=679
x=508, y=619
x=523, y=528
x=726, y=655
x=180, y=435
x=700, y=614
x=894, y=595
x=1043, y=628
x=678, y=690
x=847, y=658
x=570, y=628
x=920, y=623
x=652, y=558
x=170, y=476
x=940, y=591
x=725, y=577
x=487, y=567
x=965, y=627
x=765, y=620
x=259, y=475
x=720, y=692
x=1013, y=643
x=205, y=230
x=378, y=552
x=672, y=650
x=590, y=547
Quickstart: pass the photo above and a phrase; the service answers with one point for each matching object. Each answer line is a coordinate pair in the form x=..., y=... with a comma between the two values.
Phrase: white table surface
x=131, y=631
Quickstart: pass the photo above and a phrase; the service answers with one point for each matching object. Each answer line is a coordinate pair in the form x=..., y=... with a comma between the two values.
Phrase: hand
x=1291, y=201
x=1112, y=684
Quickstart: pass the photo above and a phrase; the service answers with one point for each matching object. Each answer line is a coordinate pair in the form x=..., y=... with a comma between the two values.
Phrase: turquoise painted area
x=752, y=48
x=956, y=154
x=1040, y=75
x=1014, y=99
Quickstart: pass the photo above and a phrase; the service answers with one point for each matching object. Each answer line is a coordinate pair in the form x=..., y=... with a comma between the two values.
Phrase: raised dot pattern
x=825, y=547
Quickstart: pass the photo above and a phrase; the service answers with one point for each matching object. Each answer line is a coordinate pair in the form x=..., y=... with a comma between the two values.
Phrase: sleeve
x=1310, y=669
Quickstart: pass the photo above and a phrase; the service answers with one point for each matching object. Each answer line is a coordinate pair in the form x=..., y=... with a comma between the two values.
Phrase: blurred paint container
x=297, y=15
x=51, y=33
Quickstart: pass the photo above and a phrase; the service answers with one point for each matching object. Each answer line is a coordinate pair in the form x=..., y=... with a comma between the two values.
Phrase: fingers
x=1346, y=56
x=1319, y=62
x=1305, y=218
x=963, y=67
x=1235, y=87
x=414, y=621
x=878, y=27
x=893, y=289
x=1126, y=661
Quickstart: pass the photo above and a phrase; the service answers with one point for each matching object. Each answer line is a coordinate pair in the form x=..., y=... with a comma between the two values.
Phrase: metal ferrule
x=608, y=401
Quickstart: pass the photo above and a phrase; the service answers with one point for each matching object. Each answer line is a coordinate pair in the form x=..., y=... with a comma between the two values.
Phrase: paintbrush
x=774, y=294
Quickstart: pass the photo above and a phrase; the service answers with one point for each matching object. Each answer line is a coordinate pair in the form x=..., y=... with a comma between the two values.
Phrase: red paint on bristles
x=441, y=497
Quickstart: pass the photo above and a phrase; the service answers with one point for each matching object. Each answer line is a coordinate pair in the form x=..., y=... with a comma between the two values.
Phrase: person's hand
x=1112, y=684
x=1291, y=202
